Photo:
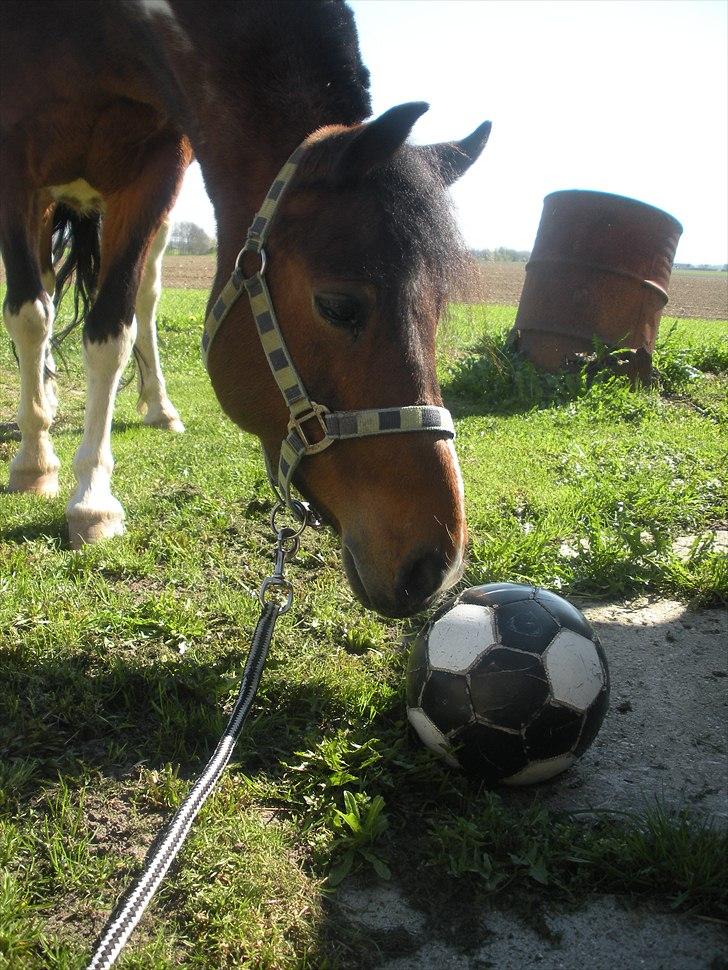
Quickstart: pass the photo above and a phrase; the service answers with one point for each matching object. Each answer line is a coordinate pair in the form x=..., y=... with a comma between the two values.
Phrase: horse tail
x=76, y=246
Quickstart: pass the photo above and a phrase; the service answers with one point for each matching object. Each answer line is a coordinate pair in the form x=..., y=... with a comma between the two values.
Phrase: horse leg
x=93, y=513
x=133, y=216
x=158, y=410
x=28, y=316
x=48, y=278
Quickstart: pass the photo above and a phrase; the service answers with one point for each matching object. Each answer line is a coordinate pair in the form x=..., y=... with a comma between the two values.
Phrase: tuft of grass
x=658, y=852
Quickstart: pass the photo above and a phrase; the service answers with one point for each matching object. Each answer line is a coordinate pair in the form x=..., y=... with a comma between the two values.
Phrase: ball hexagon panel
x=497, y=594
x=489, y=753
x=574, y=669
x=446, y=700
x=507, y=686
x=430, y=736
x=567, y=615
x=537, y=771
x=458, y=637
x=553, y=732
x=525, y=626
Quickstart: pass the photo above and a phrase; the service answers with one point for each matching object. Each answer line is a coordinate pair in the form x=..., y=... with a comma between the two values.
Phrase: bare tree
x=189, y=239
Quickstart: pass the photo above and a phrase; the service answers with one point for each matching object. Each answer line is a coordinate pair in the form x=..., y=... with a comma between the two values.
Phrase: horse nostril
x=420, y=580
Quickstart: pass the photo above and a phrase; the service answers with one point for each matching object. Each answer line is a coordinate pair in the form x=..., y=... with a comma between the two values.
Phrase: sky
x=623, y=96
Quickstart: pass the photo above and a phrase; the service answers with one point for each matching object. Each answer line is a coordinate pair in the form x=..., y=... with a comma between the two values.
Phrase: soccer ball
x=509, y=683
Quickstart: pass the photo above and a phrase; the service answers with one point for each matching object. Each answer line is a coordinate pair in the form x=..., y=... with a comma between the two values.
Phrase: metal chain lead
x=276, y=596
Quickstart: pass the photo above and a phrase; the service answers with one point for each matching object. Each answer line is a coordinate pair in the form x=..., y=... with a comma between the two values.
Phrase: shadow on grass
x=85, y=711
x=66, y=716
x=9, y=431
x=53, y=528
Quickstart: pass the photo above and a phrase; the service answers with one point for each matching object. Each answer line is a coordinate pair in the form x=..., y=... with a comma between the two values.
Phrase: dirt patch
x=188, y=272
x=499, y=283
x=702, y=295
x=698, y=295
x=114, y=825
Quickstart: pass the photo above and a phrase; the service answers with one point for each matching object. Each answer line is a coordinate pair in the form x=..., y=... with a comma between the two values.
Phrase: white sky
x=625, y=96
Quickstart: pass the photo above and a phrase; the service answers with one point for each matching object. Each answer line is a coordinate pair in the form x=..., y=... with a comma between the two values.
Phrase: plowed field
x=702, y=295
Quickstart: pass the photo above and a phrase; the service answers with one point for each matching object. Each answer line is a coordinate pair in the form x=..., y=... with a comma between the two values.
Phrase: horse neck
x=250, y=110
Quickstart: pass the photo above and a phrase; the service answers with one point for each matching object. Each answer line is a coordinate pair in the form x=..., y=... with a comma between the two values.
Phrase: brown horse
x=102, y=106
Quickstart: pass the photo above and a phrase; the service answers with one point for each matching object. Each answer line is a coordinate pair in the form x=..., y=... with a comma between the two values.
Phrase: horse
x=361, y=255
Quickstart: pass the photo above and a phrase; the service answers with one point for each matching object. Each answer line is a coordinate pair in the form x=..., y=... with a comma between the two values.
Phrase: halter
x=333, y=425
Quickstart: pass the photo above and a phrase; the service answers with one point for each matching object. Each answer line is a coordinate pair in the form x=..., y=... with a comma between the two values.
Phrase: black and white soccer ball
x=509, y=683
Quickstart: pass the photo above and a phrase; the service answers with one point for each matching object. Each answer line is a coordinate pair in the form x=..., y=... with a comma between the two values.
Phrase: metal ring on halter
x=280, y=583
x=299, y=510
x=289, y=541
x=258, y=252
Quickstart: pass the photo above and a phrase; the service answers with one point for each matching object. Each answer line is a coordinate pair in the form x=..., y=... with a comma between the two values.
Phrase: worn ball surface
x=509, y=683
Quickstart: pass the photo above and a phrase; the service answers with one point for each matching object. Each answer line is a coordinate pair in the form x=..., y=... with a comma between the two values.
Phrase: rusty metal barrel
x=600, y=267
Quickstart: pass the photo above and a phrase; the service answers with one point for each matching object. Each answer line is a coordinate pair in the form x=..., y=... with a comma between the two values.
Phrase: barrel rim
x=613, y=196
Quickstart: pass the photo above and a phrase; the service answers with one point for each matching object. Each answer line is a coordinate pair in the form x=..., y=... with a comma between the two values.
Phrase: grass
x=118, y=662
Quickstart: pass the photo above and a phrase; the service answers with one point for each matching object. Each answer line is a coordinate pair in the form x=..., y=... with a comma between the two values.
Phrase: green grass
x=118, y=662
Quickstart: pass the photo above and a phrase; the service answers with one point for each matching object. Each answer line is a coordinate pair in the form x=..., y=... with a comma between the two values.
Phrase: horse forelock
x=394, y=227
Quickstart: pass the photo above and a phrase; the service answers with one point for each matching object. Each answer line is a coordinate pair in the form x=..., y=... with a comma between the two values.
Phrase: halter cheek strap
x=312, y=427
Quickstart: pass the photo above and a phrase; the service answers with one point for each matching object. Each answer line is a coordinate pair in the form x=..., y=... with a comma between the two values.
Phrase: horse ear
x=378, y=140
x=455, y=157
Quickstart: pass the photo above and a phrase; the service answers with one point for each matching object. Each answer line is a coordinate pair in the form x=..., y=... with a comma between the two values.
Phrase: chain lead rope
x=275, y=595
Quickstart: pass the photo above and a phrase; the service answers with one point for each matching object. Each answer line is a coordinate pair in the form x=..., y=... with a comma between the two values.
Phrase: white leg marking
x=48, y=278
x=35, y=465
x=49, y=381
x=154, y=404
x=93, y=513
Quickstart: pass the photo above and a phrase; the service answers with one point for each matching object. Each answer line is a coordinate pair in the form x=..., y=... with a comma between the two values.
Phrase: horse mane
x=281, y=67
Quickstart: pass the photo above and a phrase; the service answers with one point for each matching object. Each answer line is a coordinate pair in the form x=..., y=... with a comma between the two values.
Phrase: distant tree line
x=705, y=266
x=502, y=255
x=189, y=239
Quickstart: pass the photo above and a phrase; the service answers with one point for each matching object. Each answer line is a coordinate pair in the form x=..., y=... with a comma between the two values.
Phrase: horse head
x=361, y=257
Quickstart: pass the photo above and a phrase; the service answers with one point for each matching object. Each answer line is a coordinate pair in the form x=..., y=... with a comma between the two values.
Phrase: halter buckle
x=313, y=412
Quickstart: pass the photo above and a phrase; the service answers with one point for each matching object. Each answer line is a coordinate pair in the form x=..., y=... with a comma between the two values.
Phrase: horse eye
x=340, y=309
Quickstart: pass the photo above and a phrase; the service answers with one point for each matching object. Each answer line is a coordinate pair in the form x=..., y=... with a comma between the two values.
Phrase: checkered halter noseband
x=331, y=425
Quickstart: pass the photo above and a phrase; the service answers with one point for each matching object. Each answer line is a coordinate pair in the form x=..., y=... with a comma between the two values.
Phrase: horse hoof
x=167, y=422
x=87, y=527
x=23, y=480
